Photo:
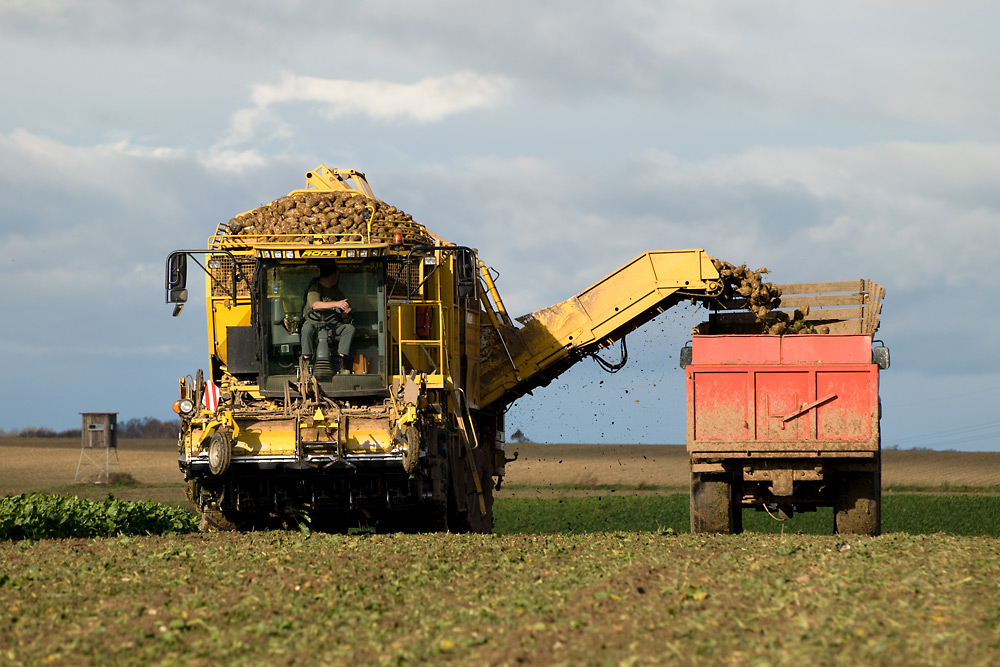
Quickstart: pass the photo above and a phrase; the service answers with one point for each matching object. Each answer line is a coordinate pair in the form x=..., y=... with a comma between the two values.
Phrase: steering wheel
x=326, y=315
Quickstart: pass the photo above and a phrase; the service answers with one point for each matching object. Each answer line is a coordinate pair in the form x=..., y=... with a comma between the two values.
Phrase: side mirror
x=465, y=264
x=880, y=356
x=176, y=283
x=686, y=356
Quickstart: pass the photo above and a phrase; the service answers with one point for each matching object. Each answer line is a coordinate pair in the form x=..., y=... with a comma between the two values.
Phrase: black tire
x=715, y=504
x=465, y=513
x=192, y=491
x=857, y=506
x=220, y=453
x=411, y=451
x=215, y=520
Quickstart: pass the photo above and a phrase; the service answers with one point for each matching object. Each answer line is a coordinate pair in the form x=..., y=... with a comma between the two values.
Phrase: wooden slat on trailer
x=845, y=306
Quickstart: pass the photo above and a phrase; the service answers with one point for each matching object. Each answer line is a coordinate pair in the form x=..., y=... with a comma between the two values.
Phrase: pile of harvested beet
x=336, y=216
x=747, y=289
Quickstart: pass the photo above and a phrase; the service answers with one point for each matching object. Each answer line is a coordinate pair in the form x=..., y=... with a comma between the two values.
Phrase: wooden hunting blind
x=98, y=432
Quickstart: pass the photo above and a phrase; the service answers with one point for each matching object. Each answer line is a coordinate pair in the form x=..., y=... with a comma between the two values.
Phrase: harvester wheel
x=411, y=450
x=858, y=504
x=215, y=520
x=465, y=503
x=192, y=491
x=220, y=453
x=715, y=504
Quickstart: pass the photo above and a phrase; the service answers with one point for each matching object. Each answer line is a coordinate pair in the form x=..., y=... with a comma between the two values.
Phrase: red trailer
x=784, y=424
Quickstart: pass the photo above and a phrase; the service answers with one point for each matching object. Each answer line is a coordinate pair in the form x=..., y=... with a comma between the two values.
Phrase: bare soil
x=50, y=465
x=642, y=467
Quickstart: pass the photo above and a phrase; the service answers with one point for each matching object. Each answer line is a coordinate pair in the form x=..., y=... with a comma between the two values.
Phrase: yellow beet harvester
x=408, y=433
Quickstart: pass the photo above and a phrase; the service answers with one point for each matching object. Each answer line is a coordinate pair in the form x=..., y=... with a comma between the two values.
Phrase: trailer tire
x=715, y=504
x=858, y=504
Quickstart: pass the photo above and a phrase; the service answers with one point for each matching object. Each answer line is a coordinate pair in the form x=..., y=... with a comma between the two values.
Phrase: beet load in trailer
x=788, y=423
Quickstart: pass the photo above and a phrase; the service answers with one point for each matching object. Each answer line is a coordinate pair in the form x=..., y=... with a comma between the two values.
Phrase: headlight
x=215, y=263
x=185, y=407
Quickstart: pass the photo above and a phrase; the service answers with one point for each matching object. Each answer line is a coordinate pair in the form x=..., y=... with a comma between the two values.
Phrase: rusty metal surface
x=749, y=349
x=728, y=453
x=782, y=394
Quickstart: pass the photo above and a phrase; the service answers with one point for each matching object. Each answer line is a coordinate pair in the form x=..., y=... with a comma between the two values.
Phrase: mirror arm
x=172, y=278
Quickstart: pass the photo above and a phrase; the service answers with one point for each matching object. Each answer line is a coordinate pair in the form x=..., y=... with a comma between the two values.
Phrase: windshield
x=346, y=349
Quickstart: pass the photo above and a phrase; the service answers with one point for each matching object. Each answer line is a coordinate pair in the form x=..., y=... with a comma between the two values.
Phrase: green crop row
x=916, y=514
x=39, y=516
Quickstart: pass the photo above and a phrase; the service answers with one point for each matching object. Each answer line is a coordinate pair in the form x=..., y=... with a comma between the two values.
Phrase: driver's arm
x=313, y=303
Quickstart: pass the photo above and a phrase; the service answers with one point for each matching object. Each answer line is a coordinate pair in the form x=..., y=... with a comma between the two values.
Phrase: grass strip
x=918, y=514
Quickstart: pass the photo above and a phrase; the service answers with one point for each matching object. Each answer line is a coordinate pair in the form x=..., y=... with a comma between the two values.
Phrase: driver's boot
x=344, y=361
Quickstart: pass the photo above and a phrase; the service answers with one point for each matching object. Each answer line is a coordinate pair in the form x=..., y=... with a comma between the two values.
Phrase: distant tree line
x=146, y=427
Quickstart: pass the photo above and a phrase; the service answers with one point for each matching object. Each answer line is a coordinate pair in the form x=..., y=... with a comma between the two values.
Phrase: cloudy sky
x=825, y=141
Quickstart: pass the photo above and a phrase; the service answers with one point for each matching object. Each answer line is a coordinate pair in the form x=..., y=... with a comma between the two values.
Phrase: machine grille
x=402, y=279
x=222, y=277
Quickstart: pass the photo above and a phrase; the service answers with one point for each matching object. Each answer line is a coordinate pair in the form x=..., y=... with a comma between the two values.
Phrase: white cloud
x=859, y=65
x=914, y=217
x=426, y=101
x=224, y=160
x=430, y=100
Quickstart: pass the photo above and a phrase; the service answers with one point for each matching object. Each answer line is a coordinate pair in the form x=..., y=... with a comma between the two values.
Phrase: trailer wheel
x=715, y=504
x=858, y=504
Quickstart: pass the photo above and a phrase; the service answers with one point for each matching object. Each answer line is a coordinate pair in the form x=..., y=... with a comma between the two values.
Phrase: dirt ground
x=51, y=465
x=667, y=465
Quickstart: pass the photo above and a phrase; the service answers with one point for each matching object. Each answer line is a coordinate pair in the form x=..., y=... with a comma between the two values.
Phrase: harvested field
x=906, y=469
x=592, y=466
x=617, y=598
x=606, y=578
x=49, y=466
x=640, y=467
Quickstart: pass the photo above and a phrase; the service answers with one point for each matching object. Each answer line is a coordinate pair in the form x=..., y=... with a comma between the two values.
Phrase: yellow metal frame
x=597, y=316
x=490, y=298
x=324, y=178
x=435, y=380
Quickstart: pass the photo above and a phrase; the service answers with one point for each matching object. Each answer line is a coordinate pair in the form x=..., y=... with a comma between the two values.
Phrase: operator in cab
x=325, y=297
